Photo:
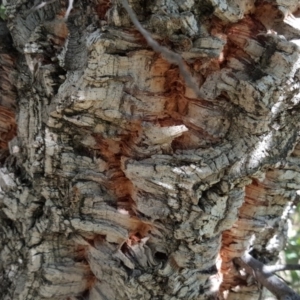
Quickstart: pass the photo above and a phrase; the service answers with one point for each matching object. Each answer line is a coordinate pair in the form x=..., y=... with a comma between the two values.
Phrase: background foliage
x=2, y=12
x=293, y=250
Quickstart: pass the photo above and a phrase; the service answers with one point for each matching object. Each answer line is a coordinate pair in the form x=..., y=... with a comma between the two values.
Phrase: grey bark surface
x=124, y=183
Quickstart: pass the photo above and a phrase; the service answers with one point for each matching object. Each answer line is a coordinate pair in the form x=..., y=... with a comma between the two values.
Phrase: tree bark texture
x=124, y=183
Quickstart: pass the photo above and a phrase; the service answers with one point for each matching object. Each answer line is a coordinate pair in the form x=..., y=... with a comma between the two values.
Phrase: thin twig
x=169, y=55
x=39, y=6
x=270, y=281
x=42, y=4
x=70, y=6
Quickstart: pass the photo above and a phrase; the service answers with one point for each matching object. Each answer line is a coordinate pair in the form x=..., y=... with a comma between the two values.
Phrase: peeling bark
x=123, y=182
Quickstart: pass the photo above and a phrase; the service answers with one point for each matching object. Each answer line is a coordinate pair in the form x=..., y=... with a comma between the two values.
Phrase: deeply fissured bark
x=123, y=182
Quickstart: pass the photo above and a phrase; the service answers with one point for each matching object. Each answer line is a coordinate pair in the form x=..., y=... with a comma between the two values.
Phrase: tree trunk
x=123, y=182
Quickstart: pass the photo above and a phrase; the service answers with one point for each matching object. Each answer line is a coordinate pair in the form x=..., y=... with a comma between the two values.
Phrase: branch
x=39, y=6
x=70, y=6
x=169, y=55
x=277, y=268
x=270, y=281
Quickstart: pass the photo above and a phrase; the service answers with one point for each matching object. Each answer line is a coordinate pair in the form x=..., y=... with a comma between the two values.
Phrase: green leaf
x=2, y=12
